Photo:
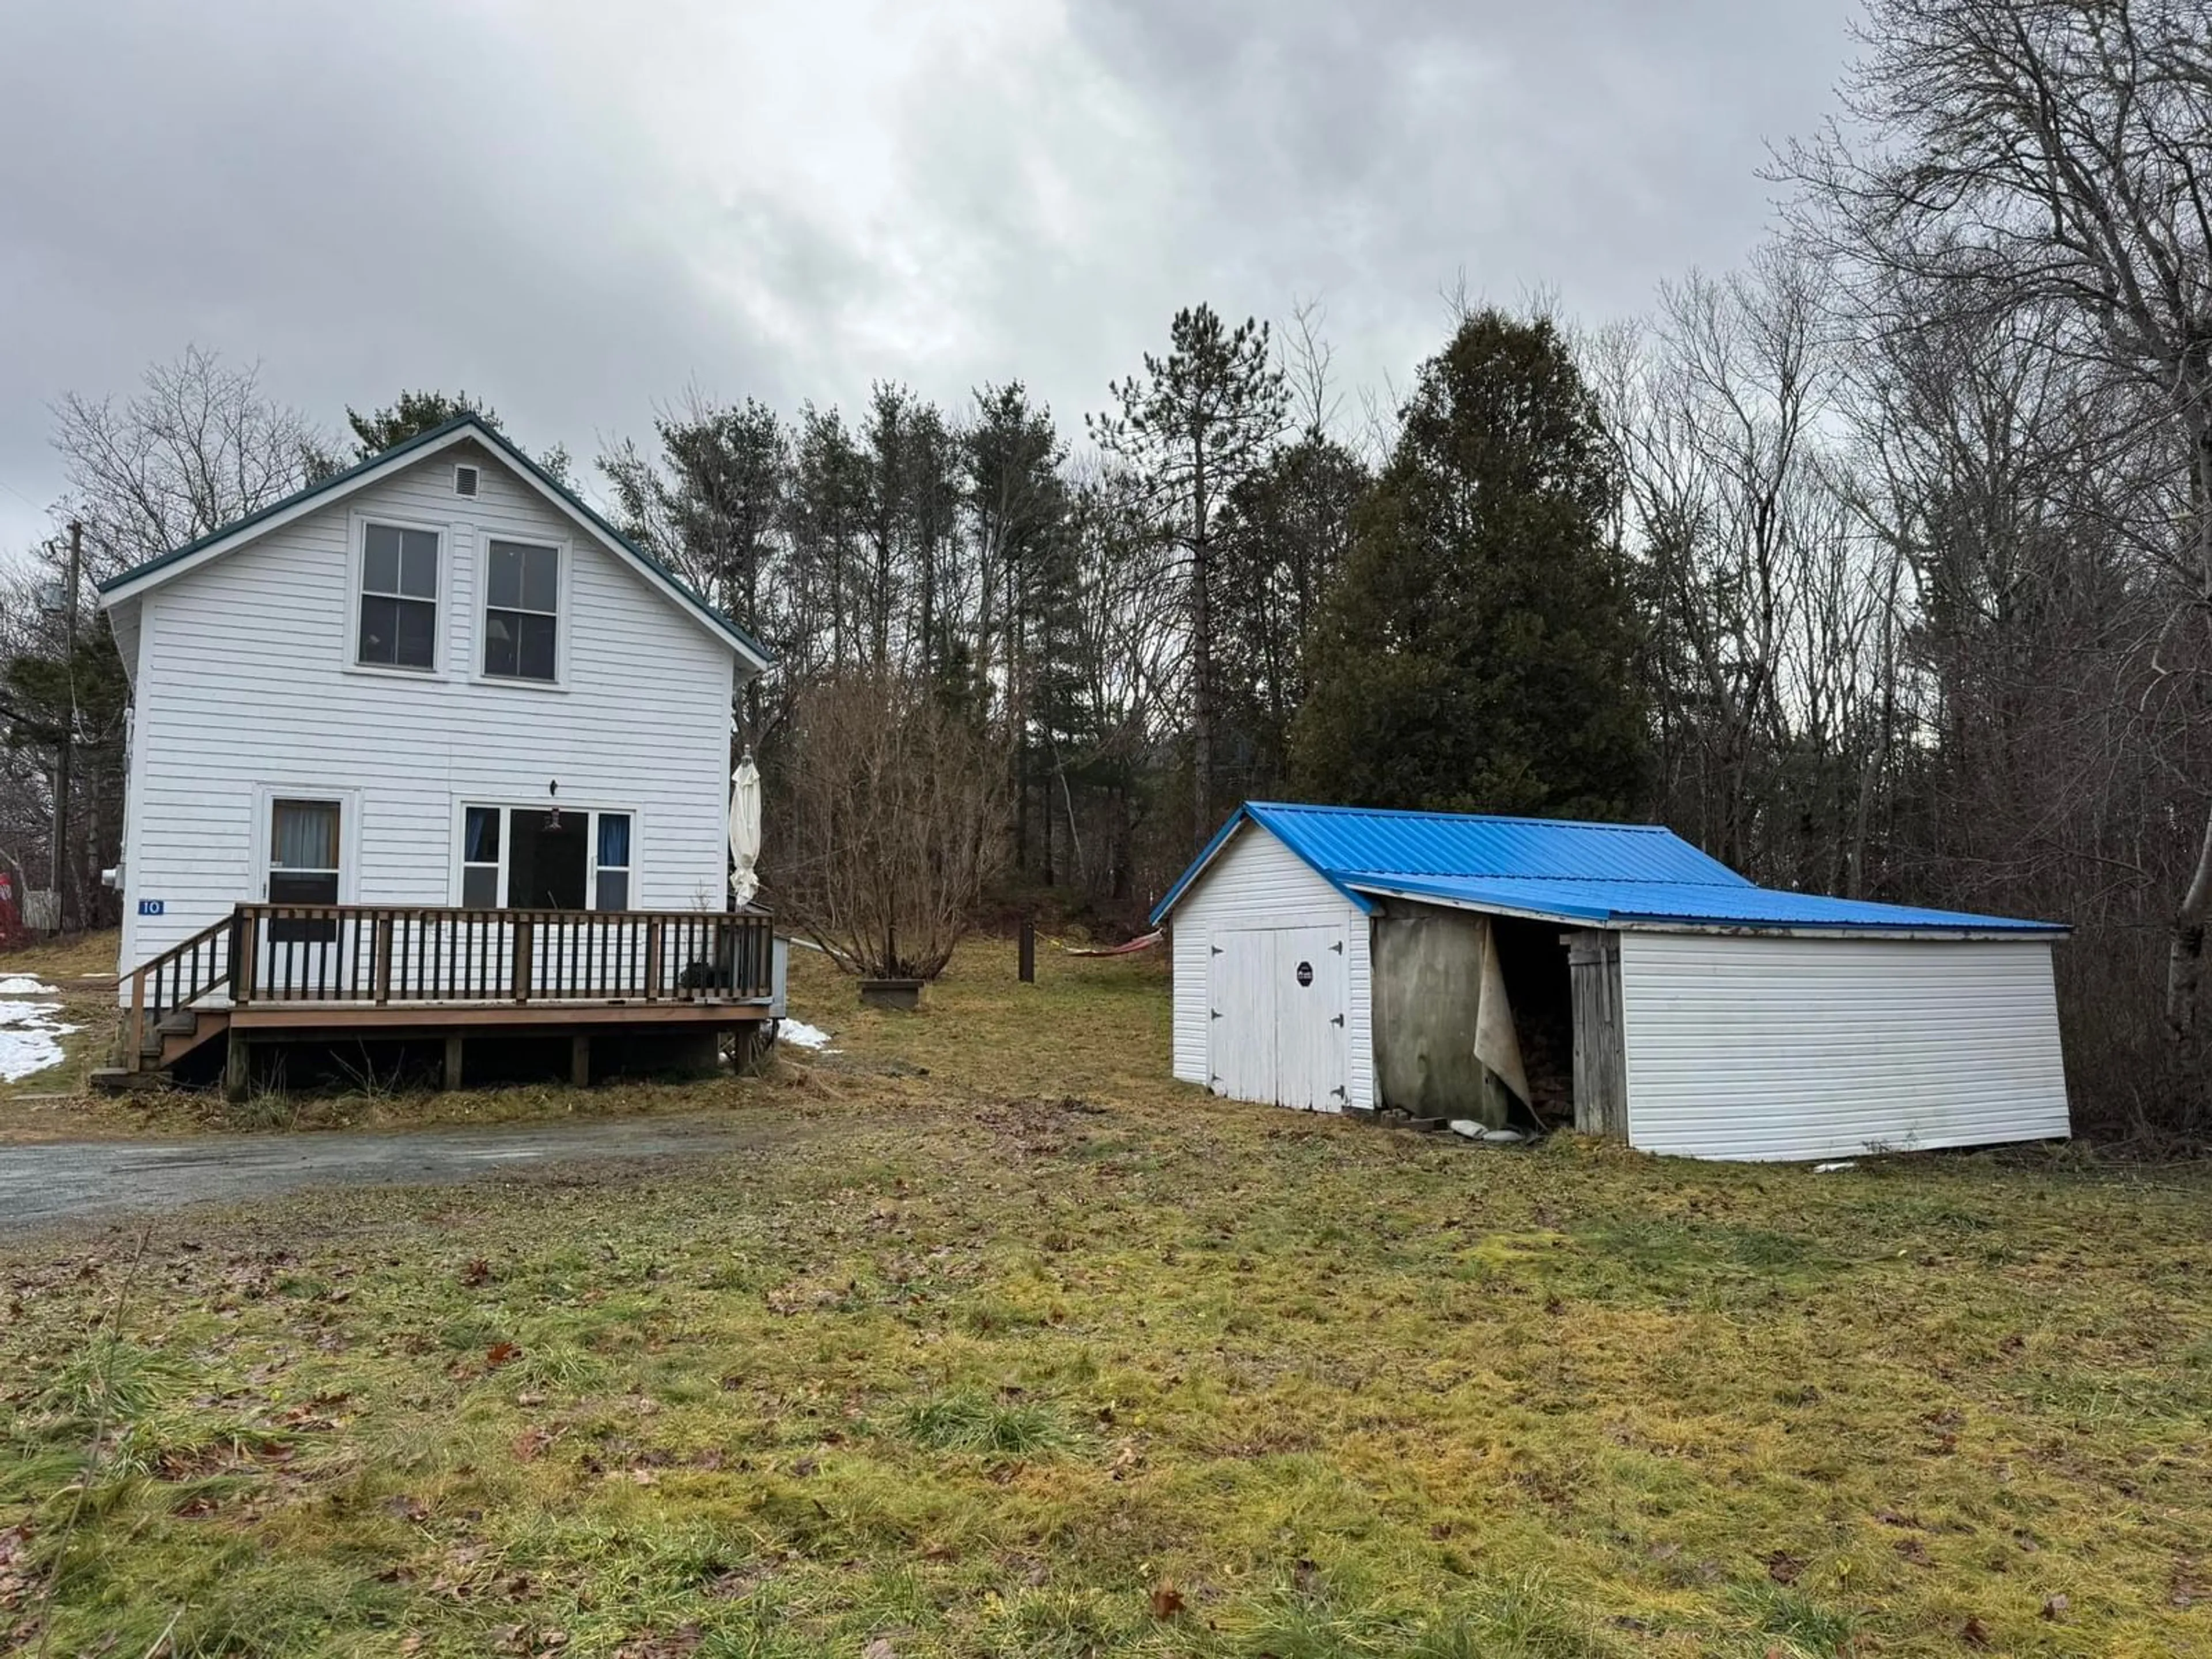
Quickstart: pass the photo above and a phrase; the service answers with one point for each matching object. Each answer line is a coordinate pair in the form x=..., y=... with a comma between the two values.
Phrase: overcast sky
x=576, y=209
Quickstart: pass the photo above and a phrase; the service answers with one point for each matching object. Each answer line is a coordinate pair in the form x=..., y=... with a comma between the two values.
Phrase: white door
x=1277, y=1017
x=1241, y=1037
x=1310, y=1019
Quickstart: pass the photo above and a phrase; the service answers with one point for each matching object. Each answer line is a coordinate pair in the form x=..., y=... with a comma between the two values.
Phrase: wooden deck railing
x=179, y=977
x=382, y=954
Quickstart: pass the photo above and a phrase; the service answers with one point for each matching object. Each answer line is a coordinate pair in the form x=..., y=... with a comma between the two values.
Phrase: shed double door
x=1277, y=1031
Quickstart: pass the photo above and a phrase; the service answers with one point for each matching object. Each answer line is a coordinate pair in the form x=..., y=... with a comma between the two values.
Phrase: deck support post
x=580, y=1060
x=452, y=1077
x=237, y=1067
x=134, y=1056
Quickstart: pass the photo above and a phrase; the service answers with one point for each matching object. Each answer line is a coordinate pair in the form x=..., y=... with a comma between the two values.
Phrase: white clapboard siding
x=1191, y=944
x=1779, y=1048
x=245, y=688
x=1256, y=882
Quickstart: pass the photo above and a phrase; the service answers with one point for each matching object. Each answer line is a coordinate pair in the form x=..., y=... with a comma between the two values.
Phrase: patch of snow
x=800, y=1035
x=30, y=1039
x=1830, y=1168
x=22, y=985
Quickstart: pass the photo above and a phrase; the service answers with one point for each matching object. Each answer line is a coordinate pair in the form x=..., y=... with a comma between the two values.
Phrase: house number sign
x=150, y=907
x=1305, y=973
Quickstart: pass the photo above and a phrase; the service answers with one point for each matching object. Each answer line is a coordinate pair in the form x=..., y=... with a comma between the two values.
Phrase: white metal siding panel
x=243, y=685
x=1190, y=1006
x=1257, y=882
x=1778, y=1049
x=1359, y=1010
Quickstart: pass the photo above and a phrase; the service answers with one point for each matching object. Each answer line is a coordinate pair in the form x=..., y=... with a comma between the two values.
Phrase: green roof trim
x=500, y=446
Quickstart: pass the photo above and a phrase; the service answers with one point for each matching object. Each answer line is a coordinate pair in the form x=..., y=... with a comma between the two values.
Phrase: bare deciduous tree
x=2052, y=154
x=196, y=447
x=892, y=821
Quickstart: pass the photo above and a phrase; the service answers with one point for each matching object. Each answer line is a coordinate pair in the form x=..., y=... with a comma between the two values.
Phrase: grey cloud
x=369, y=197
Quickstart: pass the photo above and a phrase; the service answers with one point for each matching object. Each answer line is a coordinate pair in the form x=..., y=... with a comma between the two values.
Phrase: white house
x=435, y=682
x=1454, y=966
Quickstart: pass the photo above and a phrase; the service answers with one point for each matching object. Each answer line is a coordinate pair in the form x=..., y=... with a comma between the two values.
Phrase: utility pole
x=64, y=766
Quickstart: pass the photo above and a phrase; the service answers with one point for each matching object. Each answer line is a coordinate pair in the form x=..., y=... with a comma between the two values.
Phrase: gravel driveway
x=60, y=1181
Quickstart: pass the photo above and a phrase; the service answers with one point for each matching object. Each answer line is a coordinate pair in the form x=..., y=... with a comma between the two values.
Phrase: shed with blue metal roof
x=1514, y=970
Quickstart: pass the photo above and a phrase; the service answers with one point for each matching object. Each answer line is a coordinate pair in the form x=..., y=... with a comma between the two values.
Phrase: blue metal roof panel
x=1605, y=874
x=1462, y=844
x=1697, y=904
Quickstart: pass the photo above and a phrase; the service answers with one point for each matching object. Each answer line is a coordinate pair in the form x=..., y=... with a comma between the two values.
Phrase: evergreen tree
x=1479, y=654
x=1017, y=500
x=709, y=506
x=1201, y=420
x=1284, y=538
x=409, y=414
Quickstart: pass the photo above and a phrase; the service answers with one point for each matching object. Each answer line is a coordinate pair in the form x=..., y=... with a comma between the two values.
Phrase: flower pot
x=903, y=995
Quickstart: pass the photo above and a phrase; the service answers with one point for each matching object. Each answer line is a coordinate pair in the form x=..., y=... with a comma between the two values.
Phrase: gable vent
x=464, y=480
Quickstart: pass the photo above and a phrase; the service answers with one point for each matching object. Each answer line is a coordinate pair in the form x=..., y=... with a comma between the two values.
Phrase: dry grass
x=55, y=1103
x=1007, y=1347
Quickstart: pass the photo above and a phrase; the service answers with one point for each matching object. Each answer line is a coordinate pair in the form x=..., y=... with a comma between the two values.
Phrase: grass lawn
x=1001, y=1344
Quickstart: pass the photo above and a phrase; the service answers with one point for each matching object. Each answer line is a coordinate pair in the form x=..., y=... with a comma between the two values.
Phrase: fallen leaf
x=1974, y=1634
x=478, y=1271
x=881, y=1648
x=1783, y=1568
x=1167, y=1601
x=530, y=1442
x=2055, y=1604
x=501, y=1353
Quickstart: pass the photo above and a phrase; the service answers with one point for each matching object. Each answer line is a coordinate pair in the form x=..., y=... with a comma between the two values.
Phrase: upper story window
x=399, y=598
x=522, y=611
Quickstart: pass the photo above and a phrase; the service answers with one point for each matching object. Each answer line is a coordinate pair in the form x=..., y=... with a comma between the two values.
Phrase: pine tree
x=1201, y=420
x=410, y=413
x=1478, y=654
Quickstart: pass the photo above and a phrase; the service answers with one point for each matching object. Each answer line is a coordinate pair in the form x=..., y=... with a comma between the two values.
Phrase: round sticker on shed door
x=1305, y=973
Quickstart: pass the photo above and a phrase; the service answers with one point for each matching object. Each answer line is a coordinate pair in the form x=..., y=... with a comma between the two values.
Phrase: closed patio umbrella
x=744, y=829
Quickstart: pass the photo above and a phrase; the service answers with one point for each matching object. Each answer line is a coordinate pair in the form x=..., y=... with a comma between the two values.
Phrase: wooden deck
x=320, y=973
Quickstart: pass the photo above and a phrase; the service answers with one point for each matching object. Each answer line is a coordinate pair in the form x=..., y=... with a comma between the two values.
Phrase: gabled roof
x=1600, y=875
x=140, y=579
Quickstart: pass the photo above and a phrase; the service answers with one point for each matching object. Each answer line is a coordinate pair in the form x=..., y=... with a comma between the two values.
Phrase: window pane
x=480, y=837
x=505, y=589
x=480, y=886
x=379, y=629
x=298, y=887
x=499, y=642
x=614, y=889
x=614, y=840
x=418, y=564
x=288, y=887
x=541, y=579
x=536, y=646
x=380, y=564
x=304, y=835
x=418, y=632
